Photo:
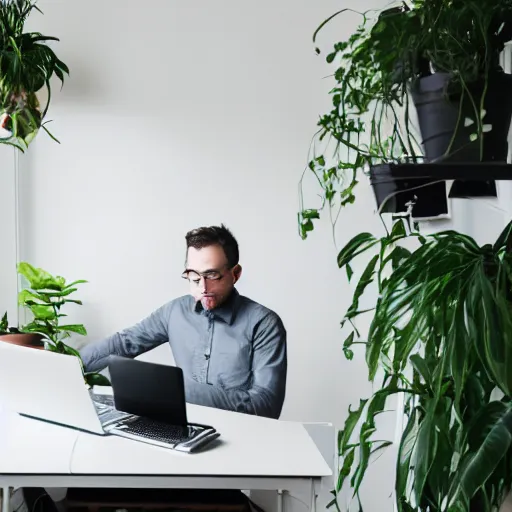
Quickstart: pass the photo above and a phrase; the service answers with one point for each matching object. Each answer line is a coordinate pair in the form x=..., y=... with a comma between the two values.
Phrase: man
x=231, y=349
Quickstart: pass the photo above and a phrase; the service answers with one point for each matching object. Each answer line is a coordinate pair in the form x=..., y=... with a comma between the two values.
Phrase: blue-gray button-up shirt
x=233, y=357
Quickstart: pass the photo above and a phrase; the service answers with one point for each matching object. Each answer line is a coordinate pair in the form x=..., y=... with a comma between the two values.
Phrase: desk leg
x=313, y=496
x=6, y=499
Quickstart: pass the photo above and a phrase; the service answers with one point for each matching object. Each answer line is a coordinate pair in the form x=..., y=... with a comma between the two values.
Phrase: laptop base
x=189, y=438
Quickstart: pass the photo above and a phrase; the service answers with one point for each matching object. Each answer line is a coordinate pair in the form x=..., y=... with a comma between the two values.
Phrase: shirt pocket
x=231, y=363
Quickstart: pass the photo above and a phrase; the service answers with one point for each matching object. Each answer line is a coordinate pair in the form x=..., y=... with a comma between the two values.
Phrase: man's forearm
x=95, y=356
x=146, y=335
x=256, y=401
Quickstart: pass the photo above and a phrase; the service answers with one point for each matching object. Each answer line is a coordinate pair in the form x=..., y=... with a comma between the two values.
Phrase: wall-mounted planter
x=449, y=125
x=424, y=185
x=394, y=192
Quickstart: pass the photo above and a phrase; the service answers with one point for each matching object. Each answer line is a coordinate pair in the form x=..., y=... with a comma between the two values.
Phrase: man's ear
x=237, y=272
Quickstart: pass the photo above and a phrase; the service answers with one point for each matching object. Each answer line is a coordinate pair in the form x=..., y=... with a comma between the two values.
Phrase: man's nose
x=202, y=284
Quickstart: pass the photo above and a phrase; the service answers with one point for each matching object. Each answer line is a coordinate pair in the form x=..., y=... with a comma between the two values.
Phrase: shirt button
x=207, y=356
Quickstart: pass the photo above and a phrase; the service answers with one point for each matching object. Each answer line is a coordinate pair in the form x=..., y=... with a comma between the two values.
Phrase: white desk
x=252, y=453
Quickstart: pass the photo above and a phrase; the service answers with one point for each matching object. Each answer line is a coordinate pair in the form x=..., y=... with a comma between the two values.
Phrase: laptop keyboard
x=157, y=431
x=107, y=413
x=102, y=399
x=190, y=437
x=108, y=416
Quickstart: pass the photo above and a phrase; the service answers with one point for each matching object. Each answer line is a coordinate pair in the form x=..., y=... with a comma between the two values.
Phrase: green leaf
x=39, y=279
x=350, y=423
x=35, y=327
x=381, y=446
x=4, y=323
x=481, y=463
x=74, y=301
x=349, y=354
x=74, y=283
x=48, y=295
x=426, y=443
x=76, y=328
x=503, y=239
x=320, y=160
x=344, y=473
x=355, y=246
x=397, y=256
x=350, y=272
x=51, y=347
x=491, y=327
x=43, y=312
x=27, y=297
x=66, y=349
x=376, y=405
x=349, y=340
x=457, y=341
x=398, y=231
x=422, y=368
x=305, y=226
x=405, y=452
x=96, y=379
x=365, y=280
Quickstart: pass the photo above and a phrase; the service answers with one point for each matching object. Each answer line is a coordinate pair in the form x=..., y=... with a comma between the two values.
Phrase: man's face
x=211, y=279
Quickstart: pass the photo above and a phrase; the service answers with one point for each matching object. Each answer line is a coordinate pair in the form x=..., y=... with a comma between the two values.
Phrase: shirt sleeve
x=149, y=333
x=269, y=368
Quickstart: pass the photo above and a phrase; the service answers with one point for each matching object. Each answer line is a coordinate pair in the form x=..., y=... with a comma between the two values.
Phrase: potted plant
x=441, y=336
x=438, y=60
x=27, y=65
x=45, y=297
x=11, y=334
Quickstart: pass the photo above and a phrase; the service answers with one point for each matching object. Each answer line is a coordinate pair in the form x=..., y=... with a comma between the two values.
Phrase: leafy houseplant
x=27, y=65
x=441, y=332
x=45, y=298
x=443, y=57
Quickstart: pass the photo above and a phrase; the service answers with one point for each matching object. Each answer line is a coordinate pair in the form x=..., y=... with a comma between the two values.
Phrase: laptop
x=148, y=402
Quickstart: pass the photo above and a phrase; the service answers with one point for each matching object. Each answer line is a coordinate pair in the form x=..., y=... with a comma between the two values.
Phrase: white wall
x=8, y=279
x=179, y=114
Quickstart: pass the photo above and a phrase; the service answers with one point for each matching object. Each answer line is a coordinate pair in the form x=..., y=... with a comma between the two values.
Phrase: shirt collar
x=226, y=311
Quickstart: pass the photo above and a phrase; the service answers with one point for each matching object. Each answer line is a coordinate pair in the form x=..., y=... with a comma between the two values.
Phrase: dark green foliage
x=442, y=333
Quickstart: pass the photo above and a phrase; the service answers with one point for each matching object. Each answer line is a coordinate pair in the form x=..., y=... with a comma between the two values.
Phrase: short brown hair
x=215, y=235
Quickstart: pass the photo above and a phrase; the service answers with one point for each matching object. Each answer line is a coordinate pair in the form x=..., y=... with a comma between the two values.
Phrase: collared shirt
x=233, y=357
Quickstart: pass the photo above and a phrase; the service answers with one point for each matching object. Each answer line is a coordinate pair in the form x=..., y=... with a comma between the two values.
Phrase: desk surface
x=248, y=446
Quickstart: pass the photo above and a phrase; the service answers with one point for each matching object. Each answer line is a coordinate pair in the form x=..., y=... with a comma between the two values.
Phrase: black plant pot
x=393, y=192
x=442, y=117
x=424, y=185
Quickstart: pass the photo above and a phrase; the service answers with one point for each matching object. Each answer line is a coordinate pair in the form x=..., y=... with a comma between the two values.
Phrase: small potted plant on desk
x=44, y=298
x=11, y=334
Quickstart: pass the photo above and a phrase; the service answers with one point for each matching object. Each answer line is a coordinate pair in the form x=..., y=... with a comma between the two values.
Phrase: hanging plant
x=435, y=58
x=27, y=65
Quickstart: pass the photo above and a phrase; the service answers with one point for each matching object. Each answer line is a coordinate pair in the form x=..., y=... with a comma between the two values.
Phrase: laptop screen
x=150, y=390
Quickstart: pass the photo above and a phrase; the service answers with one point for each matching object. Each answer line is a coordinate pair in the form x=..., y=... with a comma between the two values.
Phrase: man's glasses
x=195, y=277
